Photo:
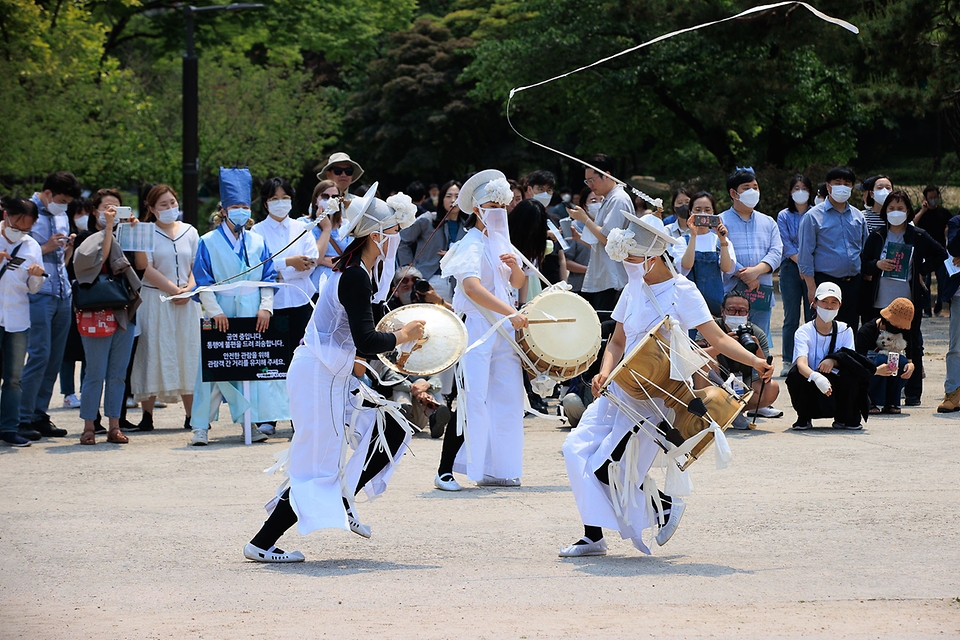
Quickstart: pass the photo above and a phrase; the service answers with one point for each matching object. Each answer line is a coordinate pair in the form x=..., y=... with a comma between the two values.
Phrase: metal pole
x=191, y=143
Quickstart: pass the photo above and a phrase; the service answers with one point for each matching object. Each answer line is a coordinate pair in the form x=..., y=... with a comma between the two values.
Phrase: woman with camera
x=107, y=334
x=709, y=253
x=330, y=244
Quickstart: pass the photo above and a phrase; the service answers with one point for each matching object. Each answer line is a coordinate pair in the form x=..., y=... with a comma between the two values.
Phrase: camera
x=420, y=288
x=746, y=338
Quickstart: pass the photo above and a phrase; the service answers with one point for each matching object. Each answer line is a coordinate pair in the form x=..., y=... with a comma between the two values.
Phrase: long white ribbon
x=656, y=201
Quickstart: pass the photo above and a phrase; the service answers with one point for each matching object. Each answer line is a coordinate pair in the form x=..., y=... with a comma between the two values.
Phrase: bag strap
x=833, y=337
x=13, y=255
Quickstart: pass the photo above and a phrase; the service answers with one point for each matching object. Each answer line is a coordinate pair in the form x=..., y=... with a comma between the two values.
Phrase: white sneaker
x=257, y=436
x=359, y=529
x=490, y=481
x=131, y=403
x=598, y=548
x=766, y=412
x=272, y=554
x=71, y=401
x=159, y=405
x=673, y=521
x=446, y=485
x=200, y=440
x=267, y=429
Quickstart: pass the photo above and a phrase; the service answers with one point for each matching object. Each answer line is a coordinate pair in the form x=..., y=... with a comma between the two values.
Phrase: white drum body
x=443, y=342
x=563, y=338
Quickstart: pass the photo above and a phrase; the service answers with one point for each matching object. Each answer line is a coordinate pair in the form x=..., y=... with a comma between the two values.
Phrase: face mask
x=387, y=245
x=682, y=211
x=880, y=195
x=495, y=221
x=13, y=235
x=279, y=208
x=238, y=217
x=635, y=271
x=818, y=200
x=169, y=216
x=750, y=198
x=543, y=198
x=57, y=209
x=734, y=321
x=102, y=219
x=896, y=217
x=933, y=203
x=840, y=192
x=593, y=209
x=81, y=223
x=827, y=315
x=565, y=198
x=800, y=196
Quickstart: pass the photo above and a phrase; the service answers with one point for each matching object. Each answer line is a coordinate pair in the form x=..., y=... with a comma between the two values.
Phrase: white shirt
x=276, y=235
x=706, y=243
x=807, y=342
x=16, y=284
x=603, y=272
x=174, y=257
x=678, y=297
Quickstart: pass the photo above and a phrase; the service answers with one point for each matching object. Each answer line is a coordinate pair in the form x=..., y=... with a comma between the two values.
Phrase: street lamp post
x=191, y=142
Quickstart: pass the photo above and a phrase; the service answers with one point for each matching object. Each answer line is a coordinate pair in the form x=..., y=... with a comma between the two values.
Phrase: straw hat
x=899, y=313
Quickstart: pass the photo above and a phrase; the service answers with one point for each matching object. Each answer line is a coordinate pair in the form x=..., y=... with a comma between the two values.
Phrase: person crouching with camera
x=828, y=378
x=735, y=311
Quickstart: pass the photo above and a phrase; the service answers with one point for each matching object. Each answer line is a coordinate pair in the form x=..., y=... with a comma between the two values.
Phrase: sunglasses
x=342, y=170
x=325, y=196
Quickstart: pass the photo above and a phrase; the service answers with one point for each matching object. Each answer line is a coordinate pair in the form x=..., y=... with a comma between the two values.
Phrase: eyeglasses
x=589, y=181
x=342, y=171
x=736, y=312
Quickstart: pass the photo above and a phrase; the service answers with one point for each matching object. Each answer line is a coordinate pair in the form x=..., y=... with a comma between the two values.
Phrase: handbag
x=106, y=292
x=96, y=324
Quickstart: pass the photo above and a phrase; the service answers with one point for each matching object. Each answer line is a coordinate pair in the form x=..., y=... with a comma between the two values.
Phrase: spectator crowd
x=855, y=285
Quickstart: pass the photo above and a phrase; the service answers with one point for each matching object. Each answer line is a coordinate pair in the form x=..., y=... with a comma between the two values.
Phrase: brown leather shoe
x=951, y=402
x=117, y=438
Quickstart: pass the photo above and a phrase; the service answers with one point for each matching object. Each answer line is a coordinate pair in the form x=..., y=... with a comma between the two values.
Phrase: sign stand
x=247, y=434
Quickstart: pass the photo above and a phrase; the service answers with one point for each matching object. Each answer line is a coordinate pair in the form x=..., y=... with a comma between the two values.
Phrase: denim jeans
x=107, y=360
x=952, y=382
x=762, y=320
x=47, y=337
x=13, y=351
x=885, y=390
x=793, y=292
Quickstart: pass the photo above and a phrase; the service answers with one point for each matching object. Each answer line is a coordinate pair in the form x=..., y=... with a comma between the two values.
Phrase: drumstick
x=763, y=383
x=546, y=320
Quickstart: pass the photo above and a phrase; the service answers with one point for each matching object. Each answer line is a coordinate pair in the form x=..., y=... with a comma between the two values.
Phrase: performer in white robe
x=487, y=444
x=223, y=253
x=604, y=432
x=333, y=411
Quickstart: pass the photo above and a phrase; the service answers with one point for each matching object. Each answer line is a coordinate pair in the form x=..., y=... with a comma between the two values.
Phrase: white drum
x=563, y=338
x=444, y=340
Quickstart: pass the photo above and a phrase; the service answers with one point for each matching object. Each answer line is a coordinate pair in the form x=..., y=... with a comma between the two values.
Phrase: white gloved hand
x=823, y=384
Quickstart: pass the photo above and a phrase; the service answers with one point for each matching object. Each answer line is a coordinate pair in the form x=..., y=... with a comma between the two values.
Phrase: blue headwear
x=236, y=186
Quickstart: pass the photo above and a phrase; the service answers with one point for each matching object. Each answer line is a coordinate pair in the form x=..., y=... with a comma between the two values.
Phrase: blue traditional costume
x=220, y=256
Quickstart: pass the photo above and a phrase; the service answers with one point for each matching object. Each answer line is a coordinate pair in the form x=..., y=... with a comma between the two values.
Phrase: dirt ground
x=808, y=534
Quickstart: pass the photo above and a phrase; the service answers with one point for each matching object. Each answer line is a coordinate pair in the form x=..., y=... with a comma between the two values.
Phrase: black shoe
x=146, y=422
x=47, y=429
x=912, y=402
x=14, y=439
x=98, y=424
x=439, y=421
x=186, y=423
x=27, y=431
x=126, y=426
x=802, y=425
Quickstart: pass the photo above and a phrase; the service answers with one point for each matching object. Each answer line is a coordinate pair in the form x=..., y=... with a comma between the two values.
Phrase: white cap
x=482, y=187
x=829, y=290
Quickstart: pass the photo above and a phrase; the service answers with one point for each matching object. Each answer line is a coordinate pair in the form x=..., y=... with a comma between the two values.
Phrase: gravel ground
x=814, y=534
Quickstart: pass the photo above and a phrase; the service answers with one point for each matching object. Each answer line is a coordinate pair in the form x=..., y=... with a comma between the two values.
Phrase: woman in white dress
x=165, y=364
x=333, y=411
x=487, y=444
x=654, y=290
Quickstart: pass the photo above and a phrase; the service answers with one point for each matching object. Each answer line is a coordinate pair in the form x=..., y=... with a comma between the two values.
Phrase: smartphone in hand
x=705, y=220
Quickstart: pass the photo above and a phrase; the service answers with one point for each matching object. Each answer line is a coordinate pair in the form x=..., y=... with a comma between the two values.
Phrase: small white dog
x=888, y=343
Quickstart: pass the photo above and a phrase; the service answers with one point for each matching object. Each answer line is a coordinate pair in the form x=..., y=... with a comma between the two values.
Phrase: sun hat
x=645, y=236
x=489, y=185
x=368, y=213
x=899, y=313
x=339, y=158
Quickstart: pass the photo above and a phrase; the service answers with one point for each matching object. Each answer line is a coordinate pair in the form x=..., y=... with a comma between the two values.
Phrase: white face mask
x=543, y=198
x=896, y=217
x=735, y=321
x=13, y=235
x=168, y=216
x=565, y=198
x=279, y=208
x=840, y=192
x=102, y=219
x=593, y=209
x=818, y=200
x=800, y=197
x=495, y=222
x=750, y=198
x=57, y=209
x=81, y=223
x=827, y=315
x=880, y=195
x=388, y=245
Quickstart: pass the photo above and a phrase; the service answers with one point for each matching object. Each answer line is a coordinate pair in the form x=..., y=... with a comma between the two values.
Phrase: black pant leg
x=376, y=456
x=451, y=446
x=801, y=397
x=282, y=518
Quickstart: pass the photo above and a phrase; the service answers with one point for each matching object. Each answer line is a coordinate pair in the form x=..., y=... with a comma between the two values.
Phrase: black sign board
x=243, y=353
